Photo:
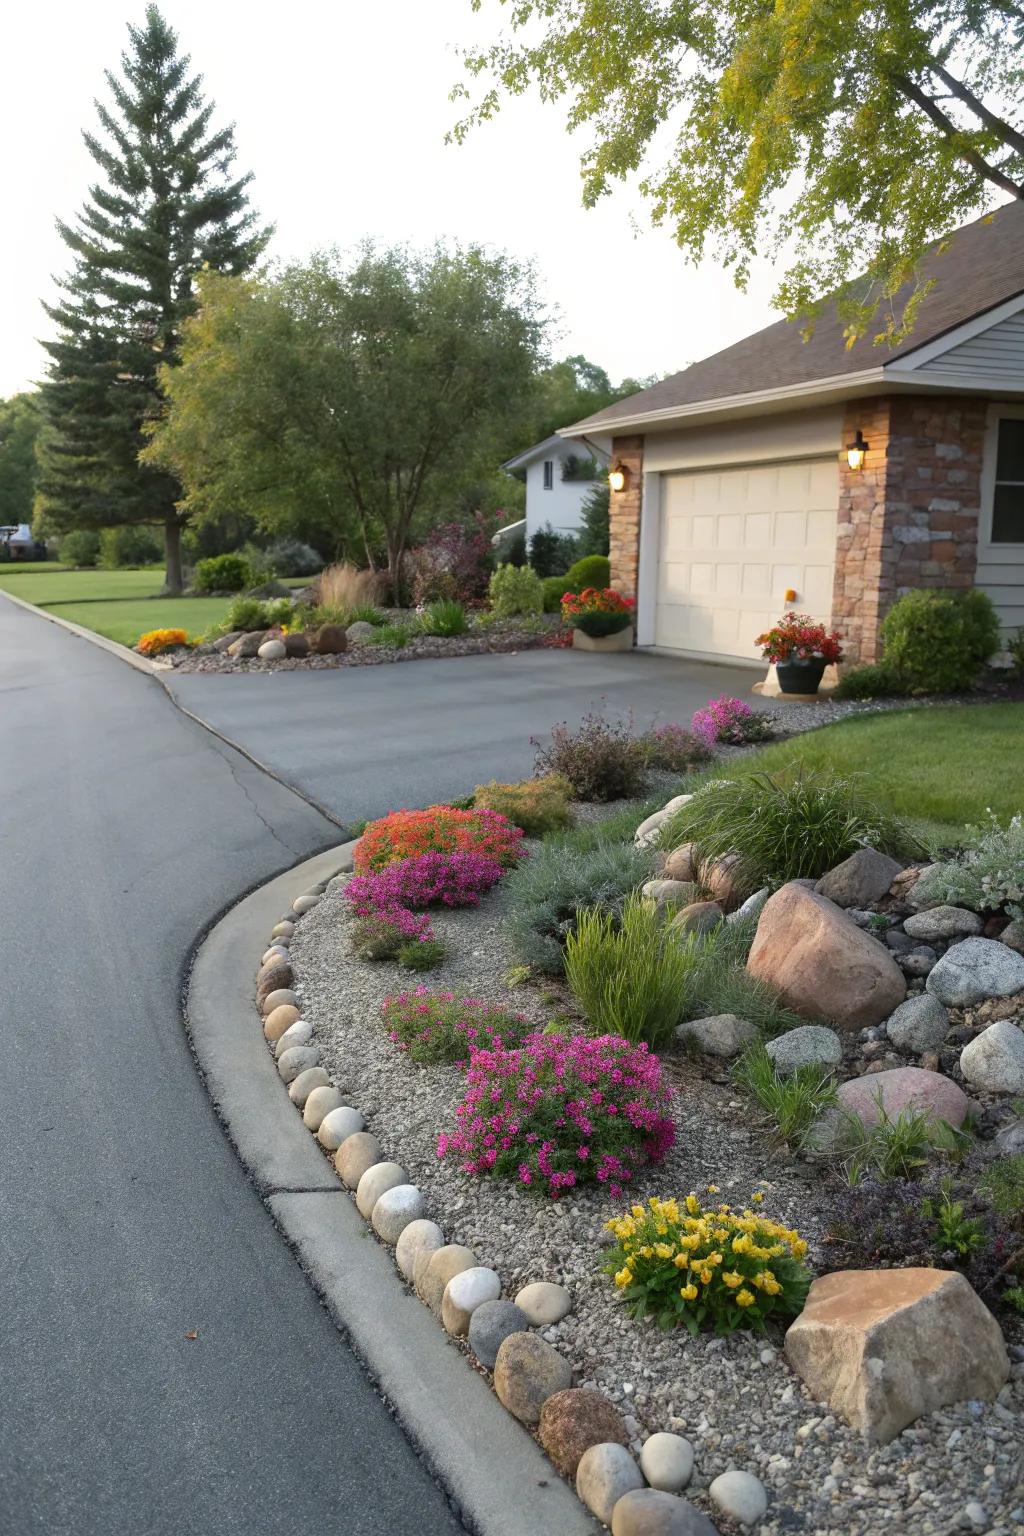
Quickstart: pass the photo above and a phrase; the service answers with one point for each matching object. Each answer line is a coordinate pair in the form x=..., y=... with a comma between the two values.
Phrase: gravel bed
x=958, y=1469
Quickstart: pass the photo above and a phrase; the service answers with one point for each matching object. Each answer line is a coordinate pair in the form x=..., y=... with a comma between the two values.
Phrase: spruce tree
x=165, y=205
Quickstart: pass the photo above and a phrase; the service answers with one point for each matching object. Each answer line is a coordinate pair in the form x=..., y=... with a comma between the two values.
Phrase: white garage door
x=732, y=541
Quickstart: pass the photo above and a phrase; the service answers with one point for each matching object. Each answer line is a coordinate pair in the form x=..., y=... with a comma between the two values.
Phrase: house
x=783, y=474
x=559, y=476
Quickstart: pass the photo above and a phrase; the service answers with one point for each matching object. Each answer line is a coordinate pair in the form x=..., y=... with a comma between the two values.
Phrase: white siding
x=997, y=353
x=560, y=506
x=782, y=435
x=1000, y=566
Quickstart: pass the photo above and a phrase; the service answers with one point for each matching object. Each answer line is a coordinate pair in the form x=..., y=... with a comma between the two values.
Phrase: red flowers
x=595, y=600
x=796, y=637
x=439, y=829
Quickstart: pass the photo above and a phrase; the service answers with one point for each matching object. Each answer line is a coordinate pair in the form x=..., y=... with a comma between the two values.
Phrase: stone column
x=624, y=515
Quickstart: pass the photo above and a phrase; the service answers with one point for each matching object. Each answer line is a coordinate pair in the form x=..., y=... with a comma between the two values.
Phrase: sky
x=341, y=110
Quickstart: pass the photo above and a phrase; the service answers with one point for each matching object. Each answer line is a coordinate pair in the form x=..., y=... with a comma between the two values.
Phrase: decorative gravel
x=958, y=1469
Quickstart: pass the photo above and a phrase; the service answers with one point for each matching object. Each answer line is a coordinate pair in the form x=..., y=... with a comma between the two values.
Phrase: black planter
x=800, y=676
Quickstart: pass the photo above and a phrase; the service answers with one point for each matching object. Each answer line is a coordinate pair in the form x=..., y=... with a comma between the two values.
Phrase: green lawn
x=48, y=584
x=940, y=766
x=125, y=620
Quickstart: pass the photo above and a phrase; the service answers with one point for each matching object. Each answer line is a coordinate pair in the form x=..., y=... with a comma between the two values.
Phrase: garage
x=732, y=541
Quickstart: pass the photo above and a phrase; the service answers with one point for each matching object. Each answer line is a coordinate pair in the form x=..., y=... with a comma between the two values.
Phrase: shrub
x=394, y=636
x=454, y=564
x=938, y=641
x=438, y=829
x=455, y=879
x=673, y=749
x=382, y=934
x=706, y=1267
x=785, y=830
x=290, y=557
x=222, y=573
x=515, y=589
x=875, y=680
x=444, y=618
x=591, y=571
x=1015, y=650
x=438, y=1026
x=730, y=721
x=793, y=1103
x=547, y=893
x=247, y=613
x=987, y=874
x=602, y=760
x=155, y=641
x=554, y=589
x=630, y=972
x=562, y=1111
x=551, y=553
x=80, y=547
x=345, y=586
x=592, y=537
x=536, y=805
x=427, y=955
x=597, y=612
x=121, y=547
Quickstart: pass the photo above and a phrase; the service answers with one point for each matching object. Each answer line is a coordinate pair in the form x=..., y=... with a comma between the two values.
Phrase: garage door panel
x=733, y=541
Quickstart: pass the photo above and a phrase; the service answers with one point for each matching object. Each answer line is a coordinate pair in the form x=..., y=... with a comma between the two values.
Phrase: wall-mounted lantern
x=617, y=476
x=857, y=451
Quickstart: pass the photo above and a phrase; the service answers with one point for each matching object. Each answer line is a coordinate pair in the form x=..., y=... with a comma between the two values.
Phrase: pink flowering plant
x=438, y=1026
x=673, y=749
x=560, y=1112
x=456, y=879
x=730, y=721
x=381, y=932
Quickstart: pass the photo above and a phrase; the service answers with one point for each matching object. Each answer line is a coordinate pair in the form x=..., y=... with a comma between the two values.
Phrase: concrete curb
x=496, y=1475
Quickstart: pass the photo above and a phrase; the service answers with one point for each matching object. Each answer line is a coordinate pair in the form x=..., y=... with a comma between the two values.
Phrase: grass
x=126, y=620
x=938, y=766
x=794, y=1103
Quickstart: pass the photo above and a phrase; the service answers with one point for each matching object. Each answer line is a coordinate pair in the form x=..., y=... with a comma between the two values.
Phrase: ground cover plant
x=730, y=721
x=987, y=874
x=706, y=1267
x=602, y=760
x=560, y=1112
x=455, y=879
x=156, y=641
x=630, y=971
x=549, y=890
x=431, y=1027
x=438, y=829
x=537, y=806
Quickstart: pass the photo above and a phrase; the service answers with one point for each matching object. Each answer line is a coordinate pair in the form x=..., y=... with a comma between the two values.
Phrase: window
x=1008, y=490
x=549, y=474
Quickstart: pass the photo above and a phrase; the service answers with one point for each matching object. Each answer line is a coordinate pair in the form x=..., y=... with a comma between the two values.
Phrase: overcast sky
x=341, y=110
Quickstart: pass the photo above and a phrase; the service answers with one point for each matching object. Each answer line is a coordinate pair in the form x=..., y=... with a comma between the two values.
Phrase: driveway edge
x=113, y=647
x=496, y=1476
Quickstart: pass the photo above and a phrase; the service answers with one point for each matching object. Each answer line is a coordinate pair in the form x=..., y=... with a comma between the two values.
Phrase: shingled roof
x=980, y=267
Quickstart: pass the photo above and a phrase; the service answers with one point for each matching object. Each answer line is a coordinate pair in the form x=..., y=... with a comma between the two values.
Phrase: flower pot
x=622, y=640
x=800, y=676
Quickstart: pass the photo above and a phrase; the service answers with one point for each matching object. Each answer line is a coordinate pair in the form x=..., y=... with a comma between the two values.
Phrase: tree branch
x=1006, y=131
x=946, y=126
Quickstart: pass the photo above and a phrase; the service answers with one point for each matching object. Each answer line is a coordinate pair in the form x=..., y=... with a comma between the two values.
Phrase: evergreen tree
x=165, y=206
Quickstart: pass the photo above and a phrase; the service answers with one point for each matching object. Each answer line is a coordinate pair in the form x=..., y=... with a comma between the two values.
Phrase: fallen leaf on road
x=193, y=1335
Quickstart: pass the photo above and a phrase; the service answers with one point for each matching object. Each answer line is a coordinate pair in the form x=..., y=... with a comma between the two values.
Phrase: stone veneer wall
x=624, y=515
x=909, y=518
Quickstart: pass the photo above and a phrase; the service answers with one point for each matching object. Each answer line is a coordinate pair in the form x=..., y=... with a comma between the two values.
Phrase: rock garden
x=692, y=1106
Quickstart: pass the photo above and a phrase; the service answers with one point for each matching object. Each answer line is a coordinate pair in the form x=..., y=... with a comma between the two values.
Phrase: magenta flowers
x=450, y=879
x=722, y=719
x=438, y=1026
x=559, y=1112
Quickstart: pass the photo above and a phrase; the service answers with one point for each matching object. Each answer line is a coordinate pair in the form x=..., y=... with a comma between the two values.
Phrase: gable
x=997, y=353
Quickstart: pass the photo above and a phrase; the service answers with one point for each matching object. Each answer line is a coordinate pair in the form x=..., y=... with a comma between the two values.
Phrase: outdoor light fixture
x=856, y=452
x=617, y=476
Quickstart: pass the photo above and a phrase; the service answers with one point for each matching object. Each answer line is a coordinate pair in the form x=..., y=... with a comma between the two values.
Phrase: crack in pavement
x=226, y=758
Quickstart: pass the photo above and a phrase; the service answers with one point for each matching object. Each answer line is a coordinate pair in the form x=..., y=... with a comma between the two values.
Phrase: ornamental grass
x=560, y=1112
x=438, y=829
x=630, y=972
x=537, y=806
x=708, y=1268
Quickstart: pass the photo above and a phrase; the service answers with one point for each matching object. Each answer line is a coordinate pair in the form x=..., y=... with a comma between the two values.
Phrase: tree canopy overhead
x=165, y=205
x=852, y=133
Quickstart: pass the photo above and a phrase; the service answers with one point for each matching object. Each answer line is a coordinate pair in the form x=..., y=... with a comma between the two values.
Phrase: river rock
x=280, y=1020
x=279, y=974
x=306, y=903
x=298, y=1033
x=300, y=1088
x=272, y=650
x=284, y=997
x=723, y=880
x=320, y=1102
x=356, y=1154
x=904, y=1088
x=489, y=1326
x=282, y=930
x=698, y=917
x=377, y=1178
x=247, y=645
x=299, y=1059
x=994, y=1060
x=918, y=1025
x=821, y=963
x=544, y=1302
x=604, y=1474
x=942, y=923
x=296, y=644
x=667, y=1461
x=650, y=1512
x=1013, y=935
x=882, y=1347
x=860, y=880
x=976, y=969
x=740, y=1495
x=440, y=1268
x=527, y=1371
x=812, y=1045
x=679, y=864
x=421, y=1236
x=466, y=1291
x=574, y=1420
x=338, y=1125
x=721, y=1034
x=395, y=1210
x=670, y=893
x=648, y=833
x=752, y=907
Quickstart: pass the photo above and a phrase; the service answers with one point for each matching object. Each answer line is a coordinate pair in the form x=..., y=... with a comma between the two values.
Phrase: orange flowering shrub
x=156, y=640
x=438, y=829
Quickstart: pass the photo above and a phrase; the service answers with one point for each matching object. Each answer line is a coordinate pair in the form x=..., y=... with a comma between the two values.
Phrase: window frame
x=548, y=475
x=1010, y=410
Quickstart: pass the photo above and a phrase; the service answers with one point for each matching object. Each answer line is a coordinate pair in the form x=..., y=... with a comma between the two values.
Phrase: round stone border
x=450, y=1281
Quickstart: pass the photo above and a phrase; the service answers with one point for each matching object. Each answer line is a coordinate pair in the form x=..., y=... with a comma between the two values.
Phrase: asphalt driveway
x=365, y=740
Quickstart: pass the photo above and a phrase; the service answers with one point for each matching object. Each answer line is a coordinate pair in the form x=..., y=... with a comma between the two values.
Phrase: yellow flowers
x=156, y=640
x=706, y=1268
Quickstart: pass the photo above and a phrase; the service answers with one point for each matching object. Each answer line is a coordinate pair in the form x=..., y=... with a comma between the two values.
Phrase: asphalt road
x=126, y=1222
x=365, y=740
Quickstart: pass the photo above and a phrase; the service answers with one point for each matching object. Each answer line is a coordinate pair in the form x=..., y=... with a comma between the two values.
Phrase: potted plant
x=800, y=650
x=602, y=619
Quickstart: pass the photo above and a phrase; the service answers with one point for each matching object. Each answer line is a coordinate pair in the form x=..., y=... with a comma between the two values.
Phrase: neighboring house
x=744, y=479
x=17, y=537
x=559, y=475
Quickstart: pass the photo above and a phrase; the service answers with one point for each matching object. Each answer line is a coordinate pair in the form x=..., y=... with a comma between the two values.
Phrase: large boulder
x=976, y=969
x=883, y=1347
x=225, y=642
x=360, y=632
x=247, y=645
x=860, y=880
x=823, y=965
x=994, y=1060
x=903, y=1088
x=296, y=644
x=331, y=640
